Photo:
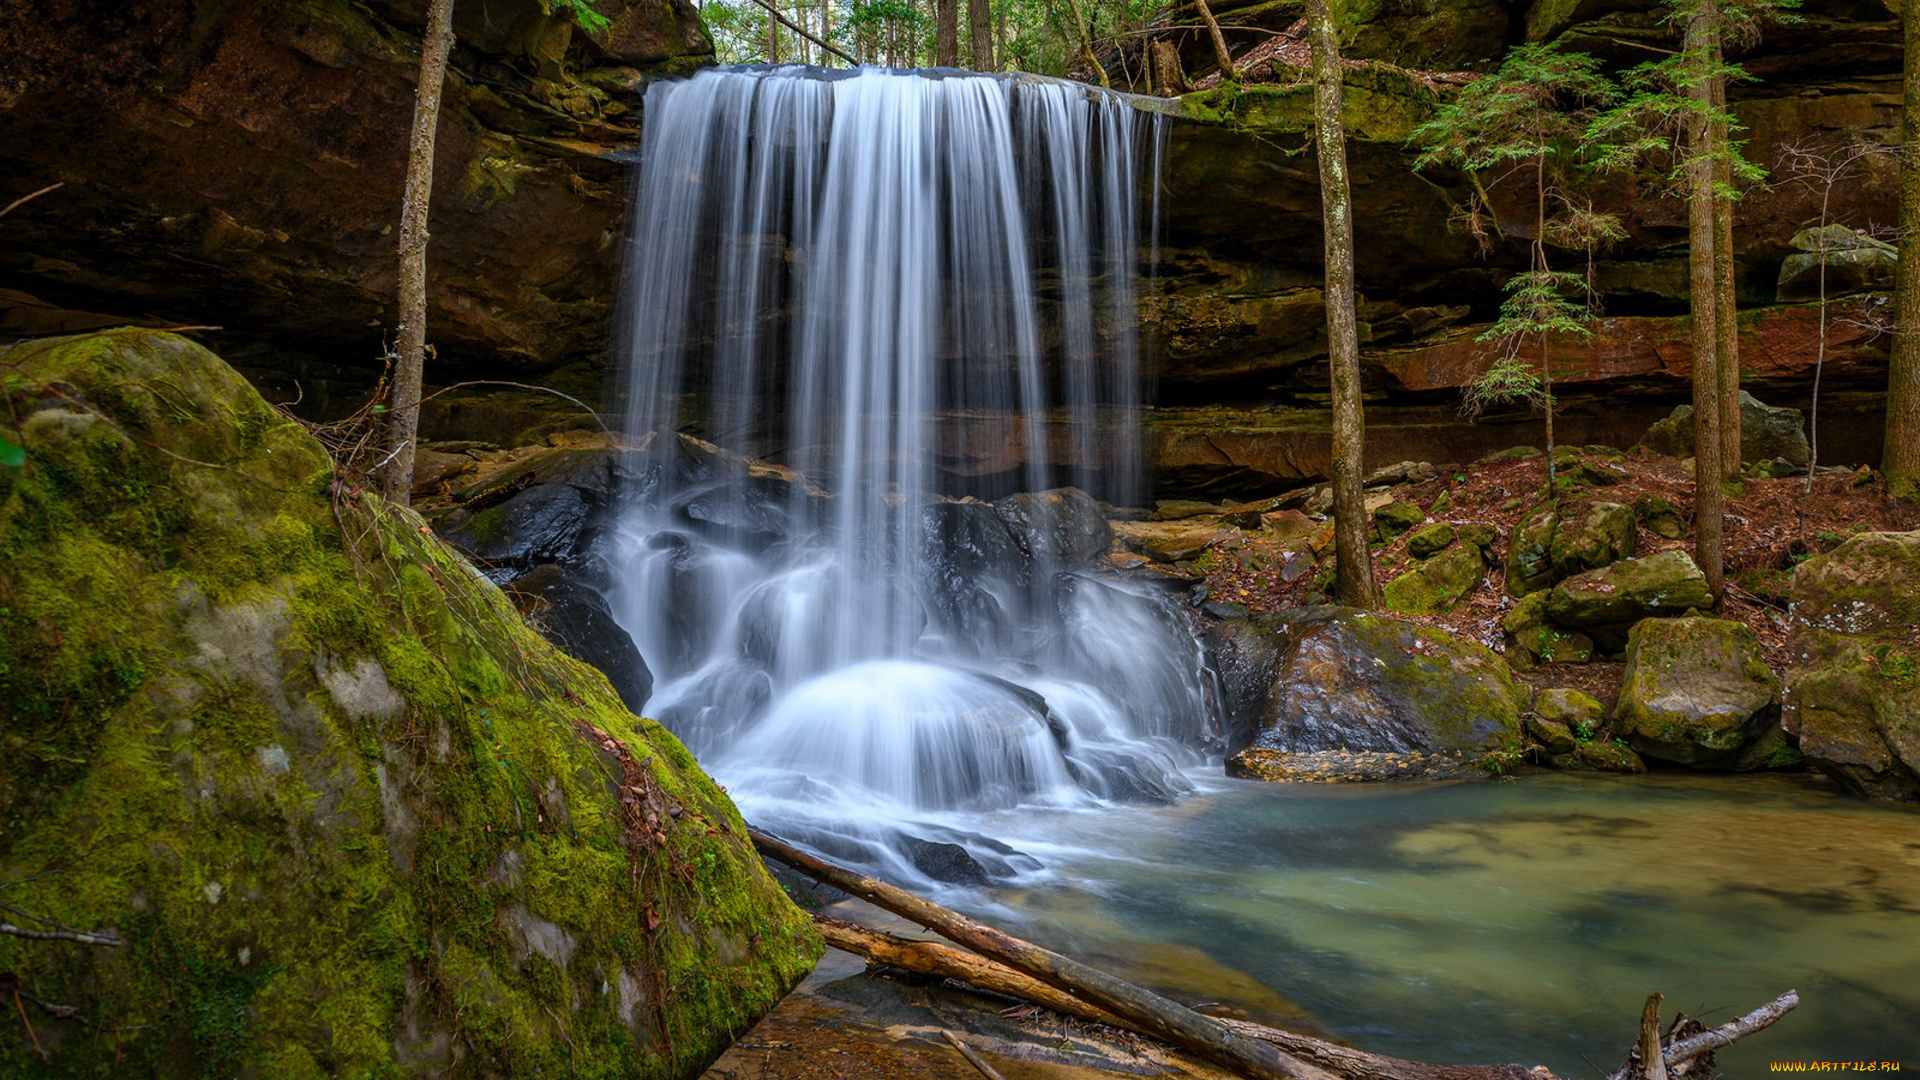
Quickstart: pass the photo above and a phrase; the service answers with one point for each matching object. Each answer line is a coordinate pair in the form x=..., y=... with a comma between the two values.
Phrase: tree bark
x=980, y=34
x=1353, y=570
x=411, y=348
x=1170, y=77
x=1220, y=54
x=1900, y=457
x=1726, y=322
x=946, y=33
x=1708, y=504
x=1142, y=1008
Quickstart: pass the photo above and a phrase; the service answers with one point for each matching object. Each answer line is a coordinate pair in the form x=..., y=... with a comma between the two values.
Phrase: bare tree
x=980, y=34
x=1353, y=570
x=1900, y=455
x=1220, y=54
x=1709, y=504
x=946, y=35
x=411, y=348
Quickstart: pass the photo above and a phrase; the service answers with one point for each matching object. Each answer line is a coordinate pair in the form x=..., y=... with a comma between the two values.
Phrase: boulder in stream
x=1350, y=681
x=1853, y=686
x=1697, y=692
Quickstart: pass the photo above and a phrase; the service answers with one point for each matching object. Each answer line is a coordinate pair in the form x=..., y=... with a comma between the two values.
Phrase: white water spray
x=898, y=288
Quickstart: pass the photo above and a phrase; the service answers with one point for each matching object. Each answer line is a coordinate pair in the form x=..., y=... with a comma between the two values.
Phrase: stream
x=1513, y=921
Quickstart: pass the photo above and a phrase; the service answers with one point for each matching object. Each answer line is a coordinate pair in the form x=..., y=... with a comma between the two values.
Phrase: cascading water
x=897, y=287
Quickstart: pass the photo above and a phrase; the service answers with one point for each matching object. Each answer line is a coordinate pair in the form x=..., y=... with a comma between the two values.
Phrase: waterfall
x=892, y=289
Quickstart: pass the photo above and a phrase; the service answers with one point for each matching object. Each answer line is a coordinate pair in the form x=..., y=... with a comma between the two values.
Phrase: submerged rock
x=1697, y=692
x=1853, y=690
x=1338, y=679
x=346, y=811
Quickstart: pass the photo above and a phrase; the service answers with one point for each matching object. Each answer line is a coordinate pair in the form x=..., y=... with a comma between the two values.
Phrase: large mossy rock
x=1607, y=602
x=1697, y=692
x=1556, y=542
x=347, y=813
x=1853, y=691
x=1438, y=583
x=1328, y=678
x=1766, y=433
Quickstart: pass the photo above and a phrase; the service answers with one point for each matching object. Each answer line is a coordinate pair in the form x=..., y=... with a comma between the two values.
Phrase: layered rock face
x=240, y=165
x=335, y=809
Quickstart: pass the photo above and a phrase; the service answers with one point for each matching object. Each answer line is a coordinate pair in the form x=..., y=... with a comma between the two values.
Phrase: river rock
x=1339, y=679
x=1436, y=584
x=575, y=616
x=1697, y=692
x=1605, y=603
x=1061, y=529
x=330, y=726
x=1853, y=687
x=1765, y=432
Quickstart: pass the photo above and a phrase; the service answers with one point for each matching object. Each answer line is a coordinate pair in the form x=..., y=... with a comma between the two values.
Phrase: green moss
x=310, y=776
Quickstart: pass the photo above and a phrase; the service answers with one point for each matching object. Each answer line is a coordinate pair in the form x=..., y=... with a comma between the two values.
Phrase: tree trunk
x=1148, y=1011
x=946, y=33
x=1220, y=54
x=1726, y=323
x=411, y=348
x=1708, y=508
x=1168, y=74
x=1353, y=571
x=1086, y=43
x=1900, y=458
x=980, y=34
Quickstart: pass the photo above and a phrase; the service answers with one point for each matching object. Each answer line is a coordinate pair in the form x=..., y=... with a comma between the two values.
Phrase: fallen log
x=945, y=961
x=1007, y=965
x=1153, y=1014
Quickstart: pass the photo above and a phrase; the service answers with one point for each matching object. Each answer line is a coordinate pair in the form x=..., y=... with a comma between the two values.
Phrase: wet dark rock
x=949, y=863
x=1062, y=529
x=1349, y=680
x=1697, y=692
x=753, y=512
x=539, y=524
x=1853, y=684
x=974, y=573
x=575, y=616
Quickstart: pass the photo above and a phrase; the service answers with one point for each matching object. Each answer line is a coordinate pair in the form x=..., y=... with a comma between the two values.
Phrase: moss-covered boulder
x=1606, y=603
x=1555, y=542
x=1425, y=543
x=1853, y=687
x=1339, y=679
x=1697, y=692
x=1438, y=583
x=1766, y=432
x=1531, y=638
x=343, y=811
x=1395, y=518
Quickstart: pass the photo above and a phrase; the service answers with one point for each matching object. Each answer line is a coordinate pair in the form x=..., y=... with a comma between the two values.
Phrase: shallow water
x=1522, y=920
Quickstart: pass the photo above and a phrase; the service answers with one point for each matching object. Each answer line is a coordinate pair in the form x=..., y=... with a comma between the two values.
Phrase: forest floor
x=1771, y=526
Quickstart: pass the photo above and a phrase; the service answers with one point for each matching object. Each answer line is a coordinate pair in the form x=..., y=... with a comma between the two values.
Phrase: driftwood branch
x=28, y=197
x=84, y=937
x=1725, y=1035
x=973, y=1059
x=1006, y=965
x=1154, y=1014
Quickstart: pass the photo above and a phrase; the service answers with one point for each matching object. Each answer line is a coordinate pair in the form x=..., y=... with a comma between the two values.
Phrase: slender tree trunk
x=1900, y=458
x=1540, y=264
x=1708, y=504
x=1353, y=572
x=1086, y=42
x=1220, y=54
x=980, y=34
x=946, y=33
x=397, y=483
x=1726, y=322
x=773, y=31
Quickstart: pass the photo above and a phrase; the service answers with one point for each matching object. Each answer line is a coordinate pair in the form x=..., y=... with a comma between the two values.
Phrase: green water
x=1521, y=921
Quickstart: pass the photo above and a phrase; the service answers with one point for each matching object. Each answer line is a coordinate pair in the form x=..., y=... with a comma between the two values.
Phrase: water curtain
x=889, y=289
